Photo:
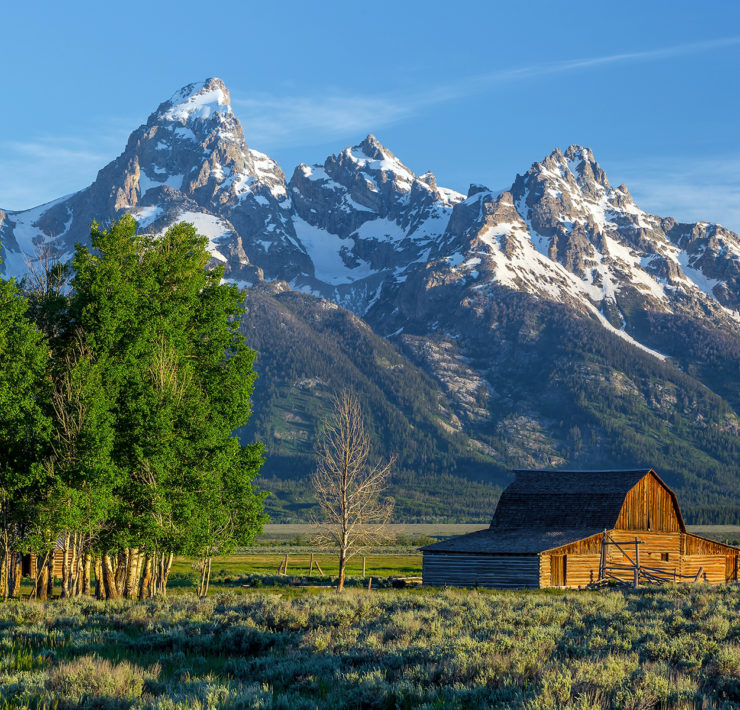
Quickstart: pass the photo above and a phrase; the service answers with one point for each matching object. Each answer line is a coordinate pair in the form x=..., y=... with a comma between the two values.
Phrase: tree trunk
x=167, y=566
x=17, y=574
x=51, y=562
x=65, y=567
x=42, y=581
x=131, y=586
x=4, y=573
x=202, y=579
x=342, y=566
x=109, y=578
x=146, y=578
x=99, y=581
x=86, y=585
x=208, y=576
x=121, y=571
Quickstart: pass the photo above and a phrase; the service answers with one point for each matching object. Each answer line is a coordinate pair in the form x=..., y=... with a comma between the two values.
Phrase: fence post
x=637, y=564
x=310, y=568
x=363, y=568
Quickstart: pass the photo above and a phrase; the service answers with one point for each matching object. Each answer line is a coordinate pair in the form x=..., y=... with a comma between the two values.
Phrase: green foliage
x=117, y=428
x=25, y=426
x=657, y=649
x=178, y=379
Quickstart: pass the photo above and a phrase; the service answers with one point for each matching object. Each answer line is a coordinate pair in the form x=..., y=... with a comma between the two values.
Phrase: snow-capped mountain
x=188, y=162
x=356, y=228
x=365, y=218
x=538, y=311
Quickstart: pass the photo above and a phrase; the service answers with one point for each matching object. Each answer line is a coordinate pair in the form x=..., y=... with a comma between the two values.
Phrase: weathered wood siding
x=667, y=553
x=453, y=569
x=649, y=506
x=545, y=570
x=581, y=570
x=696, y=545
x=712, y=567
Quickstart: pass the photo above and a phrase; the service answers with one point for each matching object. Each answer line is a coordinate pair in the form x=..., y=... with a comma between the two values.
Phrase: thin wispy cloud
x=37, y=171
x=686, y=189
x=272, y=121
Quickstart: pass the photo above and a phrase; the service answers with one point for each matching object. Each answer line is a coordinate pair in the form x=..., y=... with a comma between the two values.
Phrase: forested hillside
x=558, y=391
x=308, y=349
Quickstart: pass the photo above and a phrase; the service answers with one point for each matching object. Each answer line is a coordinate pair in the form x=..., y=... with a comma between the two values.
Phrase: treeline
x=122, y=380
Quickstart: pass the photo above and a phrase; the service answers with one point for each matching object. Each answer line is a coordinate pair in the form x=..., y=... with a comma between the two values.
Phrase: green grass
x=658, y=648
x=298, y=564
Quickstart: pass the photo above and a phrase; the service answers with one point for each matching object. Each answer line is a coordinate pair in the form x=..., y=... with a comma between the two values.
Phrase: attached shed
x=572, y=528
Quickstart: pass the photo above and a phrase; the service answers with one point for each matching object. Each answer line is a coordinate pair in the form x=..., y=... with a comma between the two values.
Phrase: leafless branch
x=348, y=486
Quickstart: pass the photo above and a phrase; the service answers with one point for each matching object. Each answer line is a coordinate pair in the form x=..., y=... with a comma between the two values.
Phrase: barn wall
x=676, y=552
x=455, y=569
x=713, y=567
x=649, y=506
x=696, y=545
x=581, y=570
x=663, y=552
x=545, y=574
x=587, y=546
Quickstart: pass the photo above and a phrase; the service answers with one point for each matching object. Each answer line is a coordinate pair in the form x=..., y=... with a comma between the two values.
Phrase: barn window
x=664, y=556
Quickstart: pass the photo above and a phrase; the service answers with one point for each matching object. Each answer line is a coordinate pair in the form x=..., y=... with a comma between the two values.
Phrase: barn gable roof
x=558, y=500
x=543, y=510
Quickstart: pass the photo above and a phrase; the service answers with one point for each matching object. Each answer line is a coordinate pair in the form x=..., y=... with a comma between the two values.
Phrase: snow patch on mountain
x=327, y=251
x=146, y=183
x=195, y=102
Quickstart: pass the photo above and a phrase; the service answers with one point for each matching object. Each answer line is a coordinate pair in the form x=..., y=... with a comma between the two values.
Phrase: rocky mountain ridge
x=557, y=321
x=360, y=224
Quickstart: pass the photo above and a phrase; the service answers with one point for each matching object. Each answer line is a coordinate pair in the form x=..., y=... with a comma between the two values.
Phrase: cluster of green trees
x=121, y=384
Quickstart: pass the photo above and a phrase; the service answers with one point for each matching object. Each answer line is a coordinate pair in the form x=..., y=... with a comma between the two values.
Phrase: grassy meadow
x=291, y=648
x=248, y=569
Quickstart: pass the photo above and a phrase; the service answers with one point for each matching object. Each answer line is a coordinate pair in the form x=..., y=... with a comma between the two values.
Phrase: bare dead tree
x=348, y=486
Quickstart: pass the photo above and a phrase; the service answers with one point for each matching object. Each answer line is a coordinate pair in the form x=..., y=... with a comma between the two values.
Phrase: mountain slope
x=308, y=349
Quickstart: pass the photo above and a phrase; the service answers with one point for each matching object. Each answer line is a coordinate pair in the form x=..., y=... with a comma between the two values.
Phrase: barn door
x=731, y=568
x=558, y=570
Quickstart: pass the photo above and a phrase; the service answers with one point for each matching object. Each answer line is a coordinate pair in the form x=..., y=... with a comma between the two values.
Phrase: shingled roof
x=559, y=500
x=517, y=542
x=542, y=510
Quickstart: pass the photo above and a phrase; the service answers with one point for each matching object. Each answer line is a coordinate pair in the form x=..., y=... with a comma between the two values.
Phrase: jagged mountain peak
x=373, y=148
x=576, y=166
x=476, y=188
x=197, y=101
x=371, y=156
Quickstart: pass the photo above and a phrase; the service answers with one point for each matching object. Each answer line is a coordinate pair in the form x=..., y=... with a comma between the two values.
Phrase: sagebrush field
x=284, y=648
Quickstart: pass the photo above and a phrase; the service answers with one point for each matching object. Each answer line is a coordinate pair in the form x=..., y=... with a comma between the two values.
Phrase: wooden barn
x=574, y=528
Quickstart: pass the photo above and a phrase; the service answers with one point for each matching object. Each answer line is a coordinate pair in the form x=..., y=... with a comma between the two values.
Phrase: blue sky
x=474, y=94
